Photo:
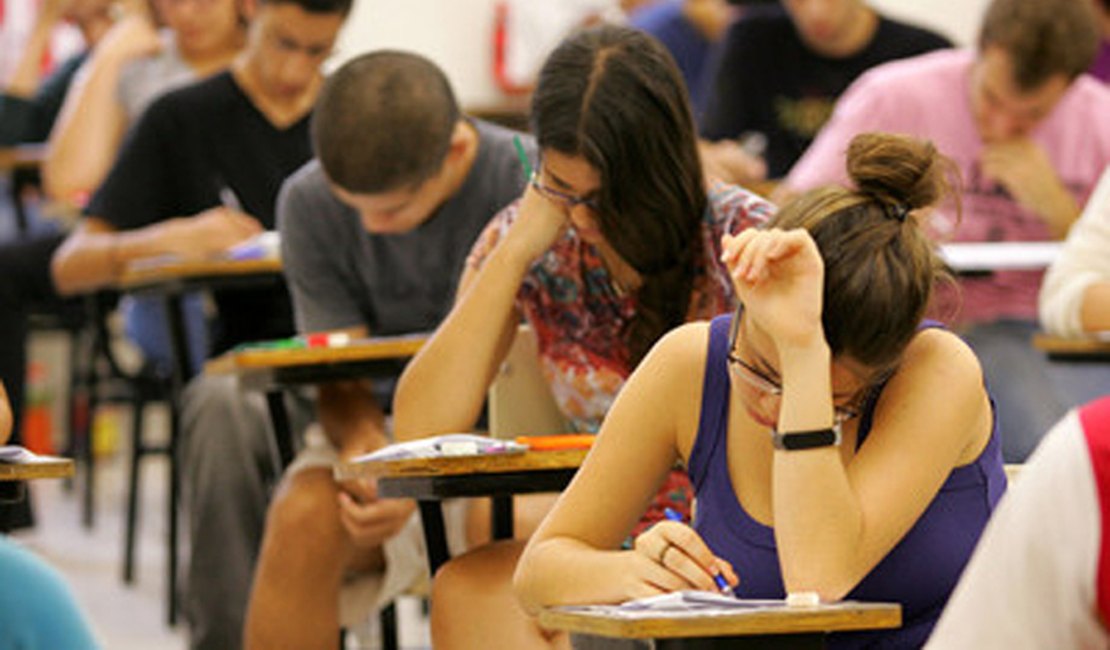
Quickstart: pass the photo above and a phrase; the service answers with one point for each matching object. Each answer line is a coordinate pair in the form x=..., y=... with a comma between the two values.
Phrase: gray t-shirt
x=342, y=276
x=144, y=80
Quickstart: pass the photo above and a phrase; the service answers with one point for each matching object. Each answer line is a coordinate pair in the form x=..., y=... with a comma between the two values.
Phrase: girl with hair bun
x=837, y=441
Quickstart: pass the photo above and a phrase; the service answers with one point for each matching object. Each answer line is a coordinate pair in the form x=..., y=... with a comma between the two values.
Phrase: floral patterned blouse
x=572, y=303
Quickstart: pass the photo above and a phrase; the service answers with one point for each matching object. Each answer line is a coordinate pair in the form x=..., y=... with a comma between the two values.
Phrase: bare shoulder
x=939, y=388
x=682, y=350
x=676, y=366
x=939, y=350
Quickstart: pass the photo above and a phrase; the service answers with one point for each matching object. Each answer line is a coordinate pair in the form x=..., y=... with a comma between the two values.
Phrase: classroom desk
x=14, y=475
x=60, y=468
x=22, y=164
x=171, y=281
x=1086, y=348
x=22, y=157
x=774, y=627
x=430, y=480
x=274, y=370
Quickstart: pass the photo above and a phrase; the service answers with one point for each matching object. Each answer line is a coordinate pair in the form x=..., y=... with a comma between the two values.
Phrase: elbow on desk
x=524, y=585
x=830, y=584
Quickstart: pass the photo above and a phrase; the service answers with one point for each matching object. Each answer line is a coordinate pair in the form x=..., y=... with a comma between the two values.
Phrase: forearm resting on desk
x=444, y=386
x=564, y=571
x=95, y=254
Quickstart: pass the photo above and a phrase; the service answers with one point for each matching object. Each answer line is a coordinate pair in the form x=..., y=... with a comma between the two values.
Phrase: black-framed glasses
x=568, y=201
x=757, y=379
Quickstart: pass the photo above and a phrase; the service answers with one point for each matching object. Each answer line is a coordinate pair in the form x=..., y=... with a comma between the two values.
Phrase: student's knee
x=304, y=506
x=481, y=575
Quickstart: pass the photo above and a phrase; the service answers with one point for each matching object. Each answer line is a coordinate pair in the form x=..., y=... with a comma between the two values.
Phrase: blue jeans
x=144, y=322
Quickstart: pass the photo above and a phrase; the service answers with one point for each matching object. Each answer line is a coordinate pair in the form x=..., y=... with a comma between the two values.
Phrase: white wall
x=956, y=19
x=457, y=34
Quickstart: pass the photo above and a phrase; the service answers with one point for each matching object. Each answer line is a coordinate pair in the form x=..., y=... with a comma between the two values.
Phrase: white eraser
x=803, y=599
x=461, y=448
x=338, y=339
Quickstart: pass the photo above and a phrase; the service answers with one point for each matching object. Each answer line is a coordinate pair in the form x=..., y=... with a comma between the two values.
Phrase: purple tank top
x=919, y=572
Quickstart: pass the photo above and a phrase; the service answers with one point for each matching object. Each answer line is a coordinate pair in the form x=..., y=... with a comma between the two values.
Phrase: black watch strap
x=798, y=440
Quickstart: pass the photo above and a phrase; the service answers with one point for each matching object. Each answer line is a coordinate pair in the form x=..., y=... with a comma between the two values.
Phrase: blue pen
x=719, y=578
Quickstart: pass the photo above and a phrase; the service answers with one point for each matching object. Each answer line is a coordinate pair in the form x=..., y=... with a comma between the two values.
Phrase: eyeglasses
x=568, y=201
x=757, y=379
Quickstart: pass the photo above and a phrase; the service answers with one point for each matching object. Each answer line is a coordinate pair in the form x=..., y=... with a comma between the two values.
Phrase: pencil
x=524, y=162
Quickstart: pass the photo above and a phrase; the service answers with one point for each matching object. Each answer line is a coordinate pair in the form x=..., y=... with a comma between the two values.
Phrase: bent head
x=1030, y=51
x=204, y=27
x=880, y=267
x=613, y=99
x=288, y=41
x=831, y=27
x=389, y=135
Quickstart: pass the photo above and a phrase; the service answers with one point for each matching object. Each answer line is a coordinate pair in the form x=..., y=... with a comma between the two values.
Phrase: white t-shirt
x=1031, y=581
x=1081, y=263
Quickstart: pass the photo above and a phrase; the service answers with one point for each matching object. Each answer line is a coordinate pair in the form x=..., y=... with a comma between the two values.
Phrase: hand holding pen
x=681, y=560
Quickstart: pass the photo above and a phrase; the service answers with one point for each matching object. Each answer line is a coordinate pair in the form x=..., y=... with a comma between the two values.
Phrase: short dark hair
x=341, y=7
x=615, y=97
x=1044, y=38
x=384, y=121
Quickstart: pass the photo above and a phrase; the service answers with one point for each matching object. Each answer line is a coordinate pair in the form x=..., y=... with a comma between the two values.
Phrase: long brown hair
x=880, y=266
x=615, y=97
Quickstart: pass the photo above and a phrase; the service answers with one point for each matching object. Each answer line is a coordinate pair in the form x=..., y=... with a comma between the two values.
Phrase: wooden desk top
x=1090, y=347
x=52, y=468
x=145, y=274
x=526, y=461
x=386, y=347
x=835, y=617
x=24, y=156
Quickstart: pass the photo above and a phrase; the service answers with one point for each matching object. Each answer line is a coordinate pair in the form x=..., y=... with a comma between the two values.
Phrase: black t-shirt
x=29, y=119
x=768, y=81
x=189, y=146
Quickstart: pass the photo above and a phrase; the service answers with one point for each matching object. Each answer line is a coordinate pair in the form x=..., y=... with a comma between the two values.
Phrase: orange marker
x=560, y=441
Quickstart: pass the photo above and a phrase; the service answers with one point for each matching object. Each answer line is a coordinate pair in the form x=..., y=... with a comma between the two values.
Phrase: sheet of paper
x=1000, y=256
x=684, y=600
x=22, y=455
x=452, y=444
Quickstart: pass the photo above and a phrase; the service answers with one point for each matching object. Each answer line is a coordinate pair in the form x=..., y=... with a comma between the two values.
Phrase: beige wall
x=456, y=34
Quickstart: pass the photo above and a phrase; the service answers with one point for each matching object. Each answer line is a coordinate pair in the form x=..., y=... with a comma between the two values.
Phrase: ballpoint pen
x=718, y=577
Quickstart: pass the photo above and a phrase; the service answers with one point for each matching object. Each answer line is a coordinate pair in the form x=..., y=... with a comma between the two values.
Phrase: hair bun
x=898, y=170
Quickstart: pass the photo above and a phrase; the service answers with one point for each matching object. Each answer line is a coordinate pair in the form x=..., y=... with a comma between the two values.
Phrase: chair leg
x=174, y=487
x=138, y=404
x=88, y=457
x=387, y=618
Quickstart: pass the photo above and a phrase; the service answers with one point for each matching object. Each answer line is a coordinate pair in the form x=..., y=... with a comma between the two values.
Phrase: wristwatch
x=797, y=440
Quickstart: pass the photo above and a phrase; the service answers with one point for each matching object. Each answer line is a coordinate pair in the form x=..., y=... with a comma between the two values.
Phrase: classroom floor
x=133, y=617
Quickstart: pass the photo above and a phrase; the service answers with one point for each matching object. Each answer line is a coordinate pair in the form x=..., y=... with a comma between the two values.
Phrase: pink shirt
x=929, y=96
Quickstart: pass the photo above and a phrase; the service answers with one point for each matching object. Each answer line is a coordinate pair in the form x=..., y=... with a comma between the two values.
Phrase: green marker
x=524, y=162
